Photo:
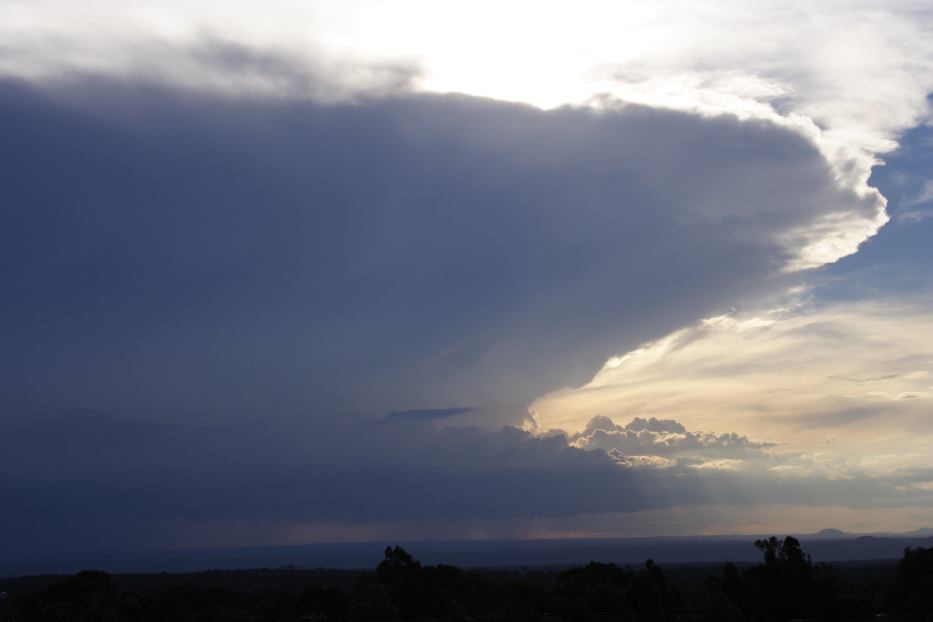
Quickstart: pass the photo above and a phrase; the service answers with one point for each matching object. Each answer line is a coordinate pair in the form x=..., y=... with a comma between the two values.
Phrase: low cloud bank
x=125, y=485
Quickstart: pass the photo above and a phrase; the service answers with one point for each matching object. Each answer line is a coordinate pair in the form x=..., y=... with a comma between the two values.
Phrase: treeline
x=786, y=585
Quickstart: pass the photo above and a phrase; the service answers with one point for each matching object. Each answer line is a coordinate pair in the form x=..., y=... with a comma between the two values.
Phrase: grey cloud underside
x=170, y=252
x=408, y=474
x=285, y=272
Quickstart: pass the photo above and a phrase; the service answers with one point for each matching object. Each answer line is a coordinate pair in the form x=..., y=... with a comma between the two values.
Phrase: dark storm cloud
x=167, y=252
x=118, y=484
x=246, y=284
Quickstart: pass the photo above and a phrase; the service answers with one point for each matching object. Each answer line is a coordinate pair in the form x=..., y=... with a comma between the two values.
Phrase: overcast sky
x=281, y=272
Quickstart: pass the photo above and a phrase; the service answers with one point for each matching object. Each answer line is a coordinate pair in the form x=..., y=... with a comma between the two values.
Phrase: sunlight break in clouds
x=849, y=381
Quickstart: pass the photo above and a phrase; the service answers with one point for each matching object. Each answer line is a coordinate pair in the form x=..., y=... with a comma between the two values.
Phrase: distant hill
x=922, y=532
x=828, y=545
x=828, y=534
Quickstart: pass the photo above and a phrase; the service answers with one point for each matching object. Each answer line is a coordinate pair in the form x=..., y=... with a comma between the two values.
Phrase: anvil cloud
x=301, y=268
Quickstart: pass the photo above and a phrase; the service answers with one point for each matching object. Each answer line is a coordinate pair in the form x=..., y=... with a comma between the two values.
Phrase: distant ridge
x=827, y=545
x=830, y=533
x=922, y=532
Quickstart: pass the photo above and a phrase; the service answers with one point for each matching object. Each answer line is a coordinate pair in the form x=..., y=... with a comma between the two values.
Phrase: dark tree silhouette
x=911, y=594
x=786, y=585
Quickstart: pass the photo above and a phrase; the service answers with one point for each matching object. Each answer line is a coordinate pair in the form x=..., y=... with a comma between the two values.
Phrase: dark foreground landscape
x=784, y=585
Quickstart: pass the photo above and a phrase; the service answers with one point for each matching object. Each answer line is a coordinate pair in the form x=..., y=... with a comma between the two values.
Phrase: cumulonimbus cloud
x=244, y=234
x=769, y=62
x=436, y=250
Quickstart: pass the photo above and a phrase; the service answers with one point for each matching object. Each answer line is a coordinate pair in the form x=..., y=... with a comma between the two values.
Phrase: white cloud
x=668, y=439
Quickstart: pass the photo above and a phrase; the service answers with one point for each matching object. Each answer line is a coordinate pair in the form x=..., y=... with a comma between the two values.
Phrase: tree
x=911, y=594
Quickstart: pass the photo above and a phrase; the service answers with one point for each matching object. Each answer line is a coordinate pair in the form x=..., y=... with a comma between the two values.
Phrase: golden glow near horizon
x=852, y=382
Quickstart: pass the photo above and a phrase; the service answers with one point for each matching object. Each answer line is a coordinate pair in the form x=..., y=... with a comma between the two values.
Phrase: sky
x=286, y=272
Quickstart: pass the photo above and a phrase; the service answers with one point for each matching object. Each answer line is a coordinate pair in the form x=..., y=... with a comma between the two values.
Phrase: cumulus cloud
x=664, y=438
